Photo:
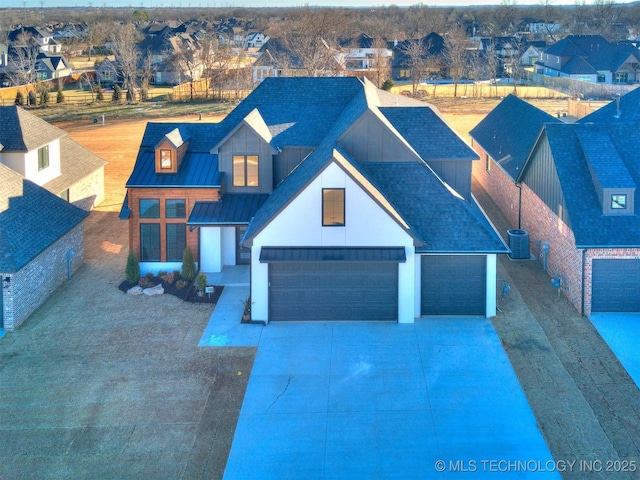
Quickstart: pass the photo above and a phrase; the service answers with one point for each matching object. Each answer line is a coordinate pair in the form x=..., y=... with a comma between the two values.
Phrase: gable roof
x=594, y=52
x=626, y=113
x=31, y=220
x=590, y=227
x=509, y=132
x=21, y=131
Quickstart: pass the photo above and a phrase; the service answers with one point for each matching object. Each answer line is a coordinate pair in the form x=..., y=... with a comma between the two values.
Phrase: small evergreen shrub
x=60, y=96
x=188, y=264
x=201, y=283
x=132, y=271
x=387, y=84
x=19, y=98
x=117, y=93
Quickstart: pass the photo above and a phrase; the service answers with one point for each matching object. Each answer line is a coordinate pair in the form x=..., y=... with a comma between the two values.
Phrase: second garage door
x=326, y=291
x=453, y=285
x=615, y=285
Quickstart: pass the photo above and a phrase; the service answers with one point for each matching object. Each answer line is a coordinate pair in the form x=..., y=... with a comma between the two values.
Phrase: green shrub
x=31, y=98
x=201, y=283
x=60, y=97
x=117, y=93
x=19, y=98
x=188, y=264
x=132, y=272
x=387, y=84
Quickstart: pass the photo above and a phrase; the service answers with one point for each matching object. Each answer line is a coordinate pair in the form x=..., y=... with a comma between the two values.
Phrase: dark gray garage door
x=615, y=285
x=453, y=285
x=333, y=291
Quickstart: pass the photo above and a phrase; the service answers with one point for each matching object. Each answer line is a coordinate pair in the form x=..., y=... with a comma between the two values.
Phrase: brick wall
x=88, y=192
x=498, y=185
x=36, y=281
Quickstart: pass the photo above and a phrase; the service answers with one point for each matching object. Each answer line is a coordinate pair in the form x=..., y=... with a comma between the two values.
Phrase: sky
x=260, y=3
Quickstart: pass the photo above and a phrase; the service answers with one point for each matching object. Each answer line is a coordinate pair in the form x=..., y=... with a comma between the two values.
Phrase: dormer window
x=619, y=201
x=246, y=171
x=166, y=161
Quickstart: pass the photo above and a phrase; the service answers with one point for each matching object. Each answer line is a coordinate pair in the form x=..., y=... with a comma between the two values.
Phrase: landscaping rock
x=157, y=290
x=137, y=290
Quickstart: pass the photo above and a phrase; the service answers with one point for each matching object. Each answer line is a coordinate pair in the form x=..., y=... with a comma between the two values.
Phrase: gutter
x=584, y=255
x=519, y=187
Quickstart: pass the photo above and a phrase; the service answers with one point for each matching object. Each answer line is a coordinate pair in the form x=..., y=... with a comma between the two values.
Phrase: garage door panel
x=453, y=285
x=615, y=285
x=333, y=291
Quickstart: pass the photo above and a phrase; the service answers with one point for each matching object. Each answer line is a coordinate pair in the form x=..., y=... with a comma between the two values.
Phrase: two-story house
x=572, y=188
x=347, y=202
x=591, y=58
x=45, y=155
x=44, y=178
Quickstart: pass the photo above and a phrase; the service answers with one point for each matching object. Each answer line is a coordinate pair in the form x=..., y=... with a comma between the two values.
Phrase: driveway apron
x=621, y=332
x=434, y=399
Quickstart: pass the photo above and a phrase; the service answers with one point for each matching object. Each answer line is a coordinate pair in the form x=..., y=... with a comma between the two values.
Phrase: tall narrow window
x=245, y=171
x=43, y=157
x=150, y=242
x=165, y=159
x=176, y=241
x=333, y=207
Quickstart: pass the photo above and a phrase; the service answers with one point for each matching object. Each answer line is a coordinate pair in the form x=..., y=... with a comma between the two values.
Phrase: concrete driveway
x=382, y=400
x=622, y=333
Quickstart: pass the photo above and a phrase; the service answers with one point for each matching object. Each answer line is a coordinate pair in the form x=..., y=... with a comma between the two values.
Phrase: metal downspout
x=519, y=205
x=584, y=255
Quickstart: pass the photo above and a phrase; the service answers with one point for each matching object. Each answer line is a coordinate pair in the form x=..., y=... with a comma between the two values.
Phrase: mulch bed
x=188, y=293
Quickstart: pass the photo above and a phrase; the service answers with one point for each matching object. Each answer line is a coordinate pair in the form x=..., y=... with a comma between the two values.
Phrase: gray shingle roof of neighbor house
x=509, y=132
x=21, y=131
x=31, y=220
x=624, y=110
x=595, y=51
x=590, y=227
x=76, y=162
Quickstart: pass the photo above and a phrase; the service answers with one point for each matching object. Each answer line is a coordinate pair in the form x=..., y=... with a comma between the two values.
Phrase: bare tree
x=455, y=55
x=97, y=34
x=186, y=58
x=23, y=59
x=381, y=61
x=125, y=49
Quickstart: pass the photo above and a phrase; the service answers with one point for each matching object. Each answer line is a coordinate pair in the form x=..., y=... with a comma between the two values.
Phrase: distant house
x=430, y=51
x=255, y=40
x=532, y=53
x=276, y=59
x=574, y=192
x=43, y=39
x=364, y=52
x=107, y=73
x=346, y=202
x=50, y=66
x=591, y=58
x=46, y=156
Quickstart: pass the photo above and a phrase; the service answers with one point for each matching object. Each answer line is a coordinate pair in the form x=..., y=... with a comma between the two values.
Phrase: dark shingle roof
x=444, y=221
x=590, y=227
x=22, y=131
x=628, y=113
x=428, y=134
x=509, y=131
x=31, y=220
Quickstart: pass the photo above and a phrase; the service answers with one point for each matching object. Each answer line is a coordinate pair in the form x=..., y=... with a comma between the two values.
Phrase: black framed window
x=149, y=208
x=333, y=212
x=175, y=208
x=246, y=171
x=619, y=201
x=43, y=157
x=150, y=242
x=176, y=240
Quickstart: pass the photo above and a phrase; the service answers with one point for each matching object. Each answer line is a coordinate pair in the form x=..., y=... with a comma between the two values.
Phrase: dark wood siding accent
x=246, y=142
x=542, y=178
x=369, y=140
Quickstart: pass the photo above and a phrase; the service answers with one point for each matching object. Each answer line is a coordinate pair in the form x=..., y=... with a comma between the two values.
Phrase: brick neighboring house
x=45, y=155
x=573, y=190
x=41, y=245
x=347, y=203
